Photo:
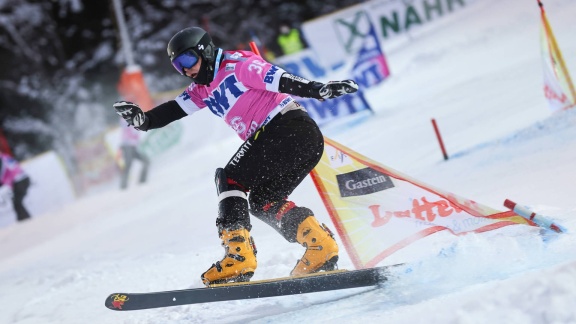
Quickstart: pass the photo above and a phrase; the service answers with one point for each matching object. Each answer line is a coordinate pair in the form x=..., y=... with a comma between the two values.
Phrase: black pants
x=20, y=189
x=275, y=160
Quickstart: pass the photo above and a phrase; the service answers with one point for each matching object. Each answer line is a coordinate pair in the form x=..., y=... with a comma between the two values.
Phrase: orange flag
x=558, y=87
x=378, y=211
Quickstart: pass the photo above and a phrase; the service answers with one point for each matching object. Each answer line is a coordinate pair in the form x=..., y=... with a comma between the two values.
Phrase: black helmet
x=198, y=41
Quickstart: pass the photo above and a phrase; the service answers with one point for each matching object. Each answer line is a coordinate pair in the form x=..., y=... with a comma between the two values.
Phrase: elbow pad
x=299, y=86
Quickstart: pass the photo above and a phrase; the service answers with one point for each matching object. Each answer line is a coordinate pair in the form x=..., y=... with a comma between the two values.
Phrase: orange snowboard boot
x=321, y=248
x=239, y=262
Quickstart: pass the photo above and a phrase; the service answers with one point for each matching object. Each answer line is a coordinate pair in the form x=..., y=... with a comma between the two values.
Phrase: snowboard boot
x=239, y=261
x=321, y=248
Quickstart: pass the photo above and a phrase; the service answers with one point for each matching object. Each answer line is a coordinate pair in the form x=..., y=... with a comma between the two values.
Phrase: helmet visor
x=185, y=60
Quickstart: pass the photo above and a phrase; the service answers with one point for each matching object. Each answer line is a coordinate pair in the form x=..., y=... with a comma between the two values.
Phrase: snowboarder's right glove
x=132, y=114
x=334, y=89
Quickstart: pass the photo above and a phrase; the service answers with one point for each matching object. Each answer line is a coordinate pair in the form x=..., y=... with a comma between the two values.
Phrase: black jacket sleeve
x=164, y=114
x=299, y=86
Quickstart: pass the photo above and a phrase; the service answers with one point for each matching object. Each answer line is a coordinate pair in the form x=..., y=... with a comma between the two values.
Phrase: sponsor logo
x=118, y=300
x=185, y=95
x=253, y=128
x=296, y=78
x=425, y=212
x=285, y=102
x=269, y=78
x=238, y=125
x=550, y=94
x=353, y=30
x=363, y=182
x=230, y=67
x=201, y=47
x=240, y=153
x=284, y=209
x=337, y=158
x=225, y=96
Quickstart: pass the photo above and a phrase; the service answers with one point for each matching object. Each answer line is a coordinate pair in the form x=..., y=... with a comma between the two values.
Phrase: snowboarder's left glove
x=132, y=114
x=335, y=89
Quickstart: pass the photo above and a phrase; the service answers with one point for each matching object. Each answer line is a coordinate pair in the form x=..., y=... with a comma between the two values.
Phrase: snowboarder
x=282, y=144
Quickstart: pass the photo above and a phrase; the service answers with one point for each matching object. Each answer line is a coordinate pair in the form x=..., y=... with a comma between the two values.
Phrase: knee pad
x=232, y=204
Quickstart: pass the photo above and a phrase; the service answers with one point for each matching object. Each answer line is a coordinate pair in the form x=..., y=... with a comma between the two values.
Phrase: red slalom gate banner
x=558, y=87
x=377, y=210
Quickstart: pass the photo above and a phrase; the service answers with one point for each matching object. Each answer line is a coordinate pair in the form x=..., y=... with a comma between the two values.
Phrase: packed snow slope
x=479, y=75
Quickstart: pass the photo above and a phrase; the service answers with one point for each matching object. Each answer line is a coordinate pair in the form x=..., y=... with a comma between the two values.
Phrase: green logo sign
x=160, y=140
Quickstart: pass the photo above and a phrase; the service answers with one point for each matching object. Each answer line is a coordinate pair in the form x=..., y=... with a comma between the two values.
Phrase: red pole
x=540, y=220
x=254, y=48
x=439, y=139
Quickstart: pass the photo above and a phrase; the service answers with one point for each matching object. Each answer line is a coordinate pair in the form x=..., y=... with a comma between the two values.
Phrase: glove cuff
x=299, y=86
x=145, y=124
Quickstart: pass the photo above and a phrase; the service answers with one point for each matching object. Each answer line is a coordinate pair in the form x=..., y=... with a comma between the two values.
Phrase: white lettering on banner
x=352, y=185
x=325, y=111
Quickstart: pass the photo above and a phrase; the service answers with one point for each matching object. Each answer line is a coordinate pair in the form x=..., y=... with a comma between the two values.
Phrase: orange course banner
x=377, y=210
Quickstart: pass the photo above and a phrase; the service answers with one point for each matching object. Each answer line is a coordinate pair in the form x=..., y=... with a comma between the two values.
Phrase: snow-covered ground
x=479, y=75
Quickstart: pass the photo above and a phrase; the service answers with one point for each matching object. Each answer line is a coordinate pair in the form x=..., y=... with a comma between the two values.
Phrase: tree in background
x=61, y=60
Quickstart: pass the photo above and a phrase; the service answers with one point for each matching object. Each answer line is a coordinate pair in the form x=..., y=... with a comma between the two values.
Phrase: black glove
x=132, y=114
x=334, y=89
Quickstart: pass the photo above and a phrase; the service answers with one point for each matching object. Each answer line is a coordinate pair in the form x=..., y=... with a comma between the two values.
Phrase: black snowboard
x=317, y=282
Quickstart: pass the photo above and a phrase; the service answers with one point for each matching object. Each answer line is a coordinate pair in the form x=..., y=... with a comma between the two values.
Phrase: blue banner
x=326, y=111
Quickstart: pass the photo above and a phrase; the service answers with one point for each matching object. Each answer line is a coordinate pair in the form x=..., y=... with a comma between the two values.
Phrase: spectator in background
x=130, y=151
x=13, y=178
x=289, y=39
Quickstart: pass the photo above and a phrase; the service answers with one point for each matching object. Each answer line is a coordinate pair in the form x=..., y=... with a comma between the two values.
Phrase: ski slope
x=479, y=75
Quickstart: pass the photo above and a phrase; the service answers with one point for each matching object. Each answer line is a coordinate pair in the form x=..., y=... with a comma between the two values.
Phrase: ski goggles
x=185, y=60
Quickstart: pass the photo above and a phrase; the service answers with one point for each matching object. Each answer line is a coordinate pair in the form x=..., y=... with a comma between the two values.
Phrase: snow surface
x=479, y=75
